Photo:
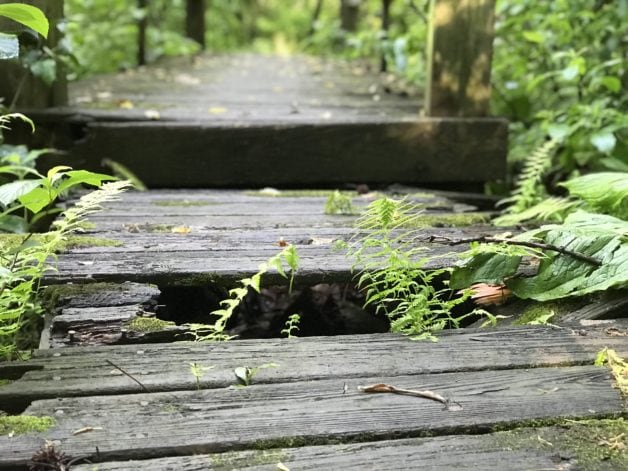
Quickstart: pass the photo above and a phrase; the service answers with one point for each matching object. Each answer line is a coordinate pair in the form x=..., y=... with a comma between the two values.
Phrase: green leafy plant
x=585, y=254
x=339, y=203
x=292, y=326
x=198, y=371
x=22, y=266
x=27, y=15
x=245, y=374
x=216, y=331
x=393, y=273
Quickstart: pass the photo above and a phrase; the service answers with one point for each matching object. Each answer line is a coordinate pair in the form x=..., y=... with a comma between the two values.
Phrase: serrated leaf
x=603, y=191
x=30, y=16
x=78, y=177
x=11, y=192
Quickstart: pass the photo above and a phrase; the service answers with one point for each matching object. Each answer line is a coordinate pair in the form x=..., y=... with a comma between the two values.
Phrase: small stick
x=522, y=243
x=387, y=388
x=144, y=388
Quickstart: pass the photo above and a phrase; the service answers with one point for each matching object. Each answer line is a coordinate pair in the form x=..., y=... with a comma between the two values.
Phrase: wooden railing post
x=142, y=26
x=349, y=14
x=195, y=21
x=18, y=86
x=460, y=46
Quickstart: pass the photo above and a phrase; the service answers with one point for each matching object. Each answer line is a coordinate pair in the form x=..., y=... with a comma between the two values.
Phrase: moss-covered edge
x=23, y=424
x=11, y=241
x=148, y=324
x=51, y=295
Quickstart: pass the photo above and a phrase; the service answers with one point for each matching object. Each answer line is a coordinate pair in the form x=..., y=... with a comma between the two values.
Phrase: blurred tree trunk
x=195, y=21
x=349, y=14
x=315, y=16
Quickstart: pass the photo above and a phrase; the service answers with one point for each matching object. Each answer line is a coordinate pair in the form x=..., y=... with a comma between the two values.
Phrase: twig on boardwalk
x=144, y=388
x=387, y=388
x=522, y=243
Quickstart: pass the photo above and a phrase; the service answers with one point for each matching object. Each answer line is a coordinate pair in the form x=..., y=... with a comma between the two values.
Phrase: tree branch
x=522, y=243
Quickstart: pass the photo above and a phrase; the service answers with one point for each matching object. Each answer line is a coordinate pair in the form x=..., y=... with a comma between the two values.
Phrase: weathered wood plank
x=521, y=449
x=180, y=423
x=281, y=154
x=85, y=371
x=460, y=46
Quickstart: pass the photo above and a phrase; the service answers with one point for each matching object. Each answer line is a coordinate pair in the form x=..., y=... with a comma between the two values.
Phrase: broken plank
x=85, y=371
x=577, y=444
x=265, y=416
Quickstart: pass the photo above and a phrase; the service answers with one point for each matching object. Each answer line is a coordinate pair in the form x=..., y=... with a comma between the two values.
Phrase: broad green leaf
x=612, y=84
x=13, y=224
x=38, y=199
x=55, y=170
x=570, y=72
x=11, y=192
x=605, y=192
x=30, y=16
x=604, y=141
x=558, y=131
x=484, y=268
x=9, y=46
x=78, y=177
x=534, y=36
x=561, y=275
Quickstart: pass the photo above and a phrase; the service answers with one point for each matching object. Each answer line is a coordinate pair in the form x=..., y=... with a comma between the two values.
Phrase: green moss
x=148, y=324
x=183, y=203
x=22, y=424
x=11, y=241
x=4, y=382
x=590, y=442
x=298, y=193
x=51, y=295
x=452, y=219
x=238, y=460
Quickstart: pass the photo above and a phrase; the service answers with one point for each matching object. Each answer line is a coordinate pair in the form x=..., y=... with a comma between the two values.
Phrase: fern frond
x=552, y=209
x=528, y=189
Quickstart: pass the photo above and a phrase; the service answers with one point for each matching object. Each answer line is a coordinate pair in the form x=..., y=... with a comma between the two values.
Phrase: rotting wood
x=160, y=424
x=460, y=45
x=83, y=371
x=520, y=449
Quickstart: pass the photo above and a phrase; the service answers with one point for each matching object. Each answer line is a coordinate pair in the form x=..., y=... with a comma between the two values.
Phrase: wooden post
x=318, y=8
x=383, y=66
x=460, y=46
x=349, y=14
x=17, y=85
x=195, y=21
x=142, y=26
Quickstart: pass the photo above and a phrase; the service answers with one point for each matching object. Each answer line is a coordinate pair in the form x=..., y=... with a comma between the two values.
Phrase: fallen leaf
x=125, y=104
x=181, y=230
x=217, y=110
x=85, y=430
x=282, y=243
x=282, y=467
x=152, y=114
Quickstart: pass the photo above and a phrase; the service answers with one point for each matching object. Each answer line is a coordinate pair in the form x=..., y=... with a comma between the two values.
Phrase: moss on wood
x=148, y=324
x=22, y=424
x=12, y=241
x=452, y=219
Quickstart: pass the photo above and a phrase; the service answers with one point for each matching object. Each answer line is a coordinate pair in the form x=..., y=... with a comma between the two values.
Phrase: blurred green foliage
x=559, y=68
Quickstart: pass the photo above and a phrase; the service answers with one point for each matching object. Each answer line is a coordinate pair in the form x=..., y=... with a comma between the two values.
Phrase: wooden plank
x=292, y=155
x=460, y=45
x=520, y=449
x=180, y=423
x=84, y=371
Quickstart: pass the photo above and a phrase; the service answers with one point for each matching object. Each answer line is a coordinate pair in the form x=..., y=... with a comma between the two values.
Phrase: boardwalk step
x=265, y=416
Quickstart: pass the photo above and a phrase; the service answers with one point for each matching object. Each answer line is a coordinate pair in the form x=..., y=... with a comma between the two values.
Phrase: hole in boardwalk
x=323, y=309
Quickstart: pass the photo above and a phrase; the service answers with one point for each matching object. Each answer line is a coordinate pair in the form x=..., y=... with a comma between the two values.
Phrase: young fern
x=392, y=271
x=529, y=190
x=22, y=267
x=216, y=331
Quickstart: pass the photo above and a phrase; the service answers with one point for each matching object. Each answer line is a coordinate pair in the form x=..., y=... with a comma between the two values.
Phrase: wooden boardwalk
x=515, y=397
x=250, y=121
